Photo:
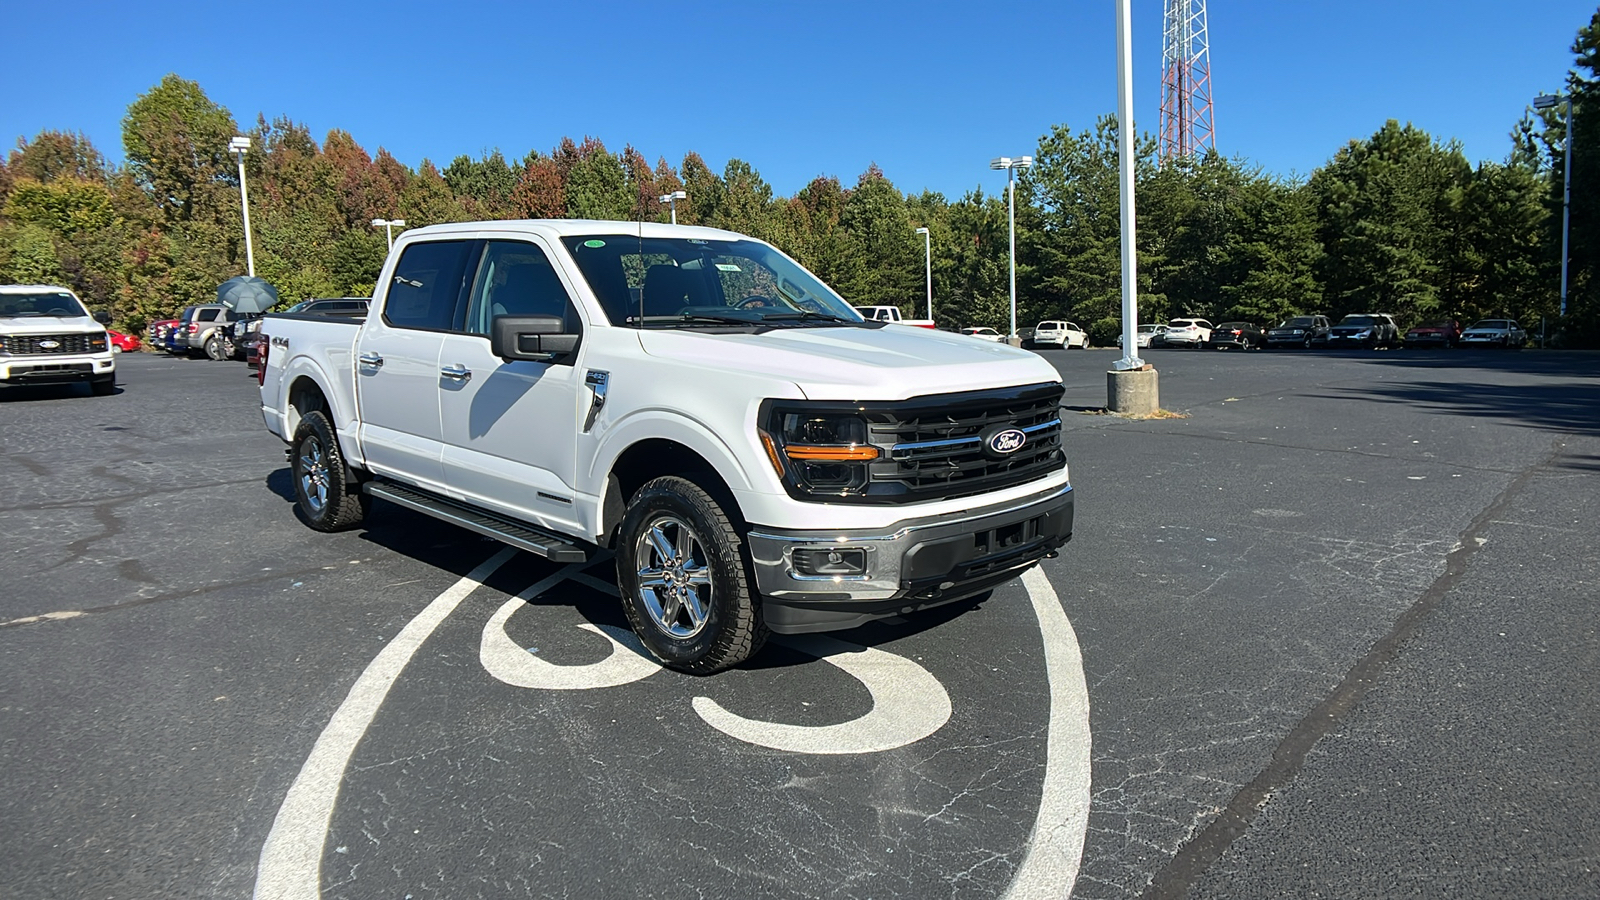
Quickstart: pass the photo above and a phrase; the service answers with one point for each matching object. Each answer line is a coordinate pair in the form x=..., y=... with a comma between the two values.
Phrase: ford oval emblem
x=49, y=345
x=1008, y=441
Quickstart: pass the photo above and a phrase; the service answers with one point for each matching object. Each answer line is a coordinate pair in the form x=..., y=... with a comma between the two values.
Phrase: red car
x=1438, y=333
x=122, y=343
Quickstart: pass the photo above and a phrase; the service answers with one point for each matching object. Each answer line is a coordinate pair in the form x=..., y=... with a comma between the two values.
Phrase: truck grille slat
x=934, y=445
x=29, y=344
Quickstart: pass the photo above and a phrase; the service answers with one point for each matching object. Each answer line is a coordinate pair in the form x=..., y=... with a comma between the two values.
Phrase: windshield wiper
x=803, y=315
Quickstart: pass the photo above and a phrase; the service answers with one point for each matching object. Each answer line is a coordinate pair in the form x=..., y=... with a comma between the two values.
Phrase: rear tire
x=327, y=497
x=213, y=348
x=685, y=587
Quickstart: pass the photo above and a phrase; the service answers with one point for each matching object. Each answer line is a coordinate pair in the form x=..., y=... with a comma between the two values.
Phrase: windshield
x=1491, y=324
x=687, y=282
x=44, y=303
x=1299, y=322
x=1357, y=320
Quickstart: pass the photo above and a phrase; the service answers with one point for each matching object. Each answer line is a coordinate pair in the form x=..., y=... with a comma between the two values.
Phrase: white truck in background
x=48, y=337
x=758, y=456
x=891, y=314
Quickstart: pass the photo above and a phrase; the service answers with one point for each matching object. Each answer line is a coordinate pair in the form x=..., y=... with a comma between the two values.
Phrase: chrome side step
x=521, y=535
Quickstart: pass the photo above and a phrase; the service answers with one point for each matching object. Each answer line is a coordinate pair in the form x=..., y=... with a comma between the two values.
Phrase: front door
x=397, y=362
x=511, y=427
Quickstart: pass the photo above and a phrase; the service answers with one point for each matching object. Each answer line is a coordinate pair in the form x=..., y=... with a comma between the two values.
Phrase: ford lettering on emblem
x=1007, y=441
x=49, y=345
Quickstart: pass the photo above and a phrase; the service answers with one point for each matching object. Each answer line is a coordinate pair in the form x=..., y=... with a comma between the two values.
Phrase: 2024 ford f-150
x=758, y=456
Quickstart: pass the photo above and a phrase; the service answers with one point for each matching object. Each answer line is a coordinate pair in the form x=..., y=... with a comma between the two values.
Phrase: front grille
x=935, y=446
x=32, y=344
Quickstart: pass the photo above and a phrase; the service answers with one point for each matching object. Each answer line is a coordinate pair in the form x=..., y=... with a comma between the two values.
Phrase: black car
x=1300, y=331
x=331, y=306
x=1369, y=330
x=1238, y=335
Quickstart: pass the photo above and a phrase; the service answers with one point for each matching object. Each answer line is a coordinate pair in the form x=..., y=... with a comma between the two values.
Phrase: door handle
x=371, y=359
x=457, y=371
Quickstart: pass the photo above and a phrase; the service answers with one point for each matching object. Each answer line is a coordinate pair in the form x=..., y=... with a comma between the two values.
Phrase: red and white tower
x=1187, y=128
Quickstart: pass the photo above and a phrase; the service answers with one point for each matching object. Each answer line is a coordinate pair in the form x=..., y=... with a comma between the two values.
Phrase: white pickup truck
x=757, y=456
x=891, y=314
x=47, y=337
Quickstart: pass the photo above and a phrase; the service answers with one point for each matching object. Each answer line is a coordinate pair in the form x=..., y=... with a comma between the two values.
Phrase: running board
x=521, y=535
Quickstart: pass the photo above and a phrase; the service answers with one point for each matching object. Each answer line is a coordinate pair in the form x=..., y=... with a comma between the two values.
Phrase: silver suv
x=200, y=330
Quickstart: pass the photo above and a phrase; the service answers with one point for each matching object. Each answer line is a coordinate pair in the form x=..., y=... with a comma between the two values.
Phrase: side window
x=426, y=283
x=208, y=315
x=516, y=279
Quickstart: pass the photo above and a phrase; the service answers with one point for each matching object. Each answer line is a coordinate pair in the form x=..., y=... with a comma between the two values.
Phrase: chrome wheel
x=313, y=475
x=674, y=579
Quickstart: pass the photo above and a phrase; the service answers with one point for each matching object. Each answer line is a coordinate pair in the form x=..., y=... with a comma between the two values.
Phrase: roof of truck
x=573, y=227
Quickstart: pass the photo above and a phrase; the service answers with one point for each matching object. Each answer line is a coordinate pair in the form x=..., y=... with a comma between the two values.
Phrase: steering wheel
x=757, y=301
x=58, y=311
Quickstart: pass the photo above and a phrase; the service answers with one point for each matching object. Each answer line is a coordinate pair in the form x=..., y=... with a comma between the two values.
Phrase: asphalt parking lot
x=1336, y=626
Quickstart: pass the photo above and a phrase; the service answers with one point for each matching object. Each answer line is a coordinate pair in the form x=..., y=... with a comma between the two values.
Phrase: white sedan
x=986, y=334
x=1146, y=336
x=1494, y=333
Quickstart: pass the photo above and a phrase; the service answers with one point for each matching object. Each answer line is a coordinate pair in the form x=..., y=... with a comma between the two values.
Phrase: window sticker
x=728, y=267
x=594, y=245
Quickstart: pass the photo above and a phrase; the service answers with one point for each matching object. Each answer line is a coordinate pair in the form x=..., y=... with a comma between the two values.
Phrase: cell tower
x=1186, y=124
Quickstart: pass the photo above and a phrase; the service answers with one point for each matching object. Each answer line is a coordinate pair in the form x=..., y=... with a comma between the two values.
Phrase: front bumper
x=57, y=369
x=915, y=564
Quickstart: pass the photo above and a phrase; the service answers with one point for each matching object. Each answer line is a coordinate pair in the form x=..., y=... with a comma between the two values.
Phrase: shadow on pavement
x=1560, y=394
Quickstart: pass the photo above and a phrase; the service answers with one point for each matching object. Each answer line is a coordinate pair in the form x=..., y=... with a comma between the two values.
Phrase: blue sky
x=930, y=91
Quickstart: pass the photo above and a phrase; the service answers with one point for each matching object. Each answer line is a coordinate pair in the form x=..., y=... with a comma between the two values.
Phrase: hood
x=857, y=363
x=26, y=325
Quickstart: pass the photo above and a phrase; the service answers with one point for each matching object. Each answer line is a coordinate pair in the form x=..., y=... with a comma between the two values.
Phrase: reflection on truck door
x=397, y=369
x=512, y=425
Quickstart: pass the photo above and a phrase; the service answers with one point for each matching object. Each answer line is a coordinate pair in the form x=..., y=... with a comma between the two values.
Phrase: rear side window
x=426, y=283
x=208, y=315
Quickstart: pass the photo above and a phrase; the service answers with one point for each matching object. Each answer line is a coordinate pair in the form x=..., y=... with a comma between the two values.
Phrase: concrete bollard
x=1133, y=393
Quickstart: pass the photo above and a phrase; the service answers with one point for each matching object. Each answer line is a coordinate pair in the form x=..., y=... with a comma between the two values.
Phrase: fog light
x=832, y=561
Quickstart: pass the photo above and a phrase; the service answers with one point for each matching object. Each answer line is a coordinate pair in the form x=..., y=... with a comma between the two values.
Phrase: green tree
x=176, y=142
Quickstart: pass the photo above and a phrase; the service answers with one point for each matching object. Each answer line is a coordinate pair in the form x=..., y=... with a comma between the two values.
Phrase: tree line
x=1399, y=222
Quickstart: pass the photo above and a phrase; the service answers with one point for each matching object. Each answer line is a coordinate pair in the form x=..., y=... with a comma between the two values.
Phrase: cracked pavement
x=173, y=641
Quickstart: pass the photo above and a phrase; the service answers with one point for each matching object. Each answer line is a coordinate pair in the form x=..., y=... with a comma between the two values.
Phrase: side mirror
x=103, y=317
x=532, y=338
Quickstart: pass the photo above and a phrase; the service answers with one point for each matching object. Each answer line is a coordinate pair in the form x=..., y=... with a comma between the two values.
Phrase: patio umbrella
x=247, y=294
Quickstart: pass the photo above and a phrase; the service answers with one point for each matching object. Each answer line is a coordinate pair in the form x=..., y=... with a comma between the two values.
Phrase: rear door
x=397, y=361
x=511, y=428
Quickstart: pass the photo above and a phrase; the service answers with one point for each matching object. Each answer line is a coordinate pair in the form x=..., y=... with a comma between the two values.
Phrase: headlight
x=97, y=342
x=1297, y=331
x=1365, y=332
x=821, y=452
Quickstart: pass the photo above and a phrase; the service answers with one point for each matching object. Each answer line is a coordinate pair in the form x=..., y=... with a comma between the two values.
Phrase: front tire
x=104, y=387
x=680, y=564
x=327, y=497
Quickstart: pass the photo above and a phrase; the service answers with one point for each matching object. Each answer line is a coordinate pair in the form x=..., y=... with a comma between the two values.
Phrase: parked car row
x=216, y=332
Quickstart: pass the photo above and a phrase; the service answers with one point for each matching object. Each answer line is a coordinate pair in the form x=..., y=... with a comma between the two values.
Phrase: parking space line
x=290, y=867
x=1055, y=847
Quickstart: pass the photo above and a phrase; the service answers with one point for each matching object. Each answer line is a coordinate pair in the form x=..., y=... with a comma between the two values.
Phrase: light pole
x=1011, y=166
x=240, y=145
x=1132, y=388
x=1548, y=101
x=388, y=226
x=1130, y=266
x=927, y=256
x=672, y=201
